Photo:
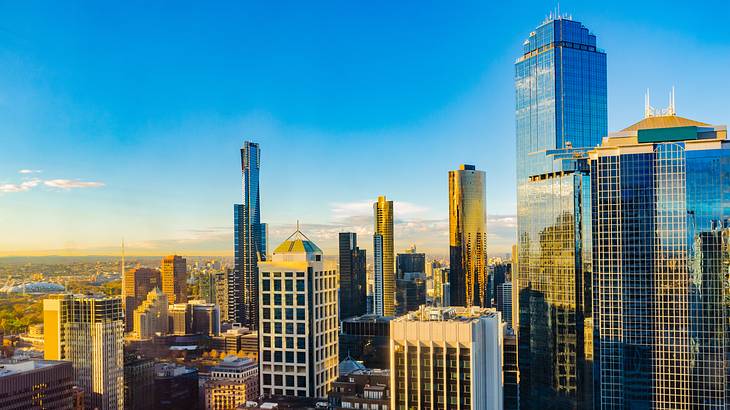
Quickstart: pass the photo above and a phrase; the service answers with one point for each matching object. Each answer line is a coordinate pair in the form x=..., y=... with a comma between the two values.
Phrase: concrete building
x=194, y=317
x=447, y=358
x=367, y=339
x=360, y=388
x=504, y=301
x=36, y=384
x=174, y=274
x=139, y=383
x=238, y=339
x=511, y=372
x=88, y=331
x=136, y=284
x=233, y=382
x=176, y=387
x=298, y=330
x=353, y=276
x=151, y=317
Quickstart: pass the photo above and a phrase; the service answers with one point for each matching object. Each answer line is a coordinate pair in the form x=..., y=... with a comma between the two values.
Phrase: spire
x=650, y=111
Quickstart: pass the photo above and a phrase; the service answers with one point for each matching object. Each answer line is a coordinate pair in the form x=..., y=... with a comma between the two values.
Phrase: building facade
x=661, y=251
x=88, y=331
x=36, y=384
x=353, y=276
x=232, y=382
x=136, y=284
x=504, y=301
x=176, y=387
x=561, y=109
x=447, y=358
x=367, y=339
x=468, y=272
x=139, y=383
x=174, y=274
x=384, y=261
x=151, y=316
x=298, y=343
x=360, y=388
x=249, y=242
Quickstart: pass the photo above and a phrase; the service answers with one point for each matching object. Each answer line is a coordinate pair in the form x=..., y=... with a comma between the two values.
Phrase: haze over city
x=126, y=121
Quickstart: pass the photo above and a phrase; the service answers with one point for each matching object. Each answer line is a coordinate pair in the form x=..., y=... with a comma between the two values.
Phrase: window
x=289, y=314
x=277, y=299
x=300, y=300
x=289, y=286
x=266, y=299
x=266, y=285
x=277, y=285
x=300, y=285
x=300, y=313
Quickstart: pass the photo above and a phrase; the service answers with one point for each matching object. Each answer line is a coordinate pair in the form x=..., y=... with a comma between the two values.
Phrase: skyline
x=111, y=160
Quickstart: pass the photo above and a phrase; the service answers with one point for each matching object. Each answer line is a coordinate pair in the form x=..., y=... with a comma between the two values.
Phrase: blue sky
x=133, y=113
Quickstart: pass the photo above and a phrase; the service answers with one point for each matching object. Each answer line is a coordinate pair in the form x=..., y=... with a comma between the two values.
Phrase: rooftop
x=447, y=314
x=9, y=369
x=664, y=121
x=297, y=243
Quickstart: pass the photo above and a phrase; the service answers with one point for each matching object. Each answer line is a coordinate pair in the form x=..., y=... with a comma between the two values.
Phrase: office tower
x=383, y=258
x=194, y=317
x=353, y=276
x=410, y=294
x=237, y=340
x=249, y=243
x=560, y=82
x=221, y=293
x=468, y=237
x=207, y=285
x=661, y=251
x=499, y=273
x=88, y=331
x=36, y=384
x=370, y=300
x=358, y=387
x=298, y=333
x=232, y=382
x=446, y=358
x=139, y=383
x=174, y=273
x=410, y=262
x=151, y=316
x=504, y=301
x=510, y=370
x=136, y=284
x=176, y=387
x=440, y=280
x=367, y=339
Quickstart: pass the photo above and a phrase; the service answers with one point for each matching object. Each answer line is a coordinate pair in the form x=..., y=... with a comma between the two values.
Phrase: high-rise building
x=446, y=358
x=139, y=383
x=384, y=258
x=232, y=382
x=221, y=293
x=36, y=384
x=366, y=339
x=298, y=334
x=561, y=109
x=510, y=370
x=249, y=243
x=176, y=387
x=504, y=301
x=88, y=331
x=410, y=262
x=150, y=317
x=661, y=251
x=194, y=317
x=136, y=284
x=410, y=293
x=353, y=276
x=174, y=273
x=468, y=237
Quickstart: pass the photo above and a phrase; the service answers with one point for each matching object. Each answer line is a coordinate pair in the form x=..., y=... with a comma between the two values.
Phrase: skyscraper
x=136, y=284
x=560, y=82
x=661, y=251
x=249, y=243
x=298, y=335
x=151, y=316
x=88, y=331
x=353, y=276
x=174, y=273
x=447, y=358
x=468, y=237
x=383, y=249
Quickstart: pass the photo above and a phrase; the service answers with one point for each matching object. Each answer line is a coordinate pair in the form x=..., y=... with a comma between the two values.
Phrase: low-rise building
x=360, y=388
x=36, y=384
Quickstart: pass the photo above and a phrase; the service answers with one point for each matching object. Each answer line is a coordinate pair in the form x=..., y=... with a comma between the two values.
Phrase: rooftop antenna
x=122, y=262
x=647, y=105
x=671, y=110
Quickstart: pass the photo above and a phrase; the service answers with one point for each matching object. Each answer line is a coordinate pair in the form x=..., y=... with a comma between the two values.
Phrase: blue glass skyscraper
x=249, y=243
x=661, y=247
x=560, y=83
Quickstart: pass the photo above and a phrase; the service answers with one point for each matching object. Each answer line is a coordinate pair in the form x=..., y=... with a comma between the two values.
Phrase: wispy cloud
x=21, y=187
x=71, y=184
x=30, y=171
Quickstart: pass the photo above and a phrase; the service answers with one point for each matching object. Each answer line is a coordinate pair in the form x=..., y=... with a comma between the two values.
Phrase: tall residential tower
x=560, y=82
x=383, y=254
x=249, y=243
x=468, y=237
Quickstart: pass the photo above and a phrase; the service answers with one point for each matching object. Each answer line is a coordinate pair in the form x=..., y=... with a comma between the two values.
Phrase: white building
x=233, y=382
x=88, y=331
x=150, y=317
x=447, y=358
x=298, y=345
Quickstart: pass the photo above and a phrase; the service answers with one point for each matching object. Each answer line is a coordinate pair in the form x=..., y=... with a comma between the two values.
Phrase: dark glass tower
x=353, y=286
x=560, y=84
x=661, y=251
x=249, y=243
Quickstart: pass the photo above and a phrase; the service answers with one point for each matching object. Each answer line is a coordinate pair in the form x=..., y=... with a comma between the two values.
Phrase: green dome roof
x=297, y=243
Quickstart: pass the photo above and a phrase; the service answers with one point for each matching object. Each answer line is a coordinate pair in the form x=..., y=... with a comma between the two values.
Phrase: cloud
x=71, y=184
x=21, y=187
x=30, y=171
x=349, y=210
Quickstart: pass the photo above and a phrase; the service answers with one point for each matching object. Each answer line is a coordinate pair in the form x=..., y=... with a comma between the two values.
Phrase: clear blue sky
x=134, y=112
